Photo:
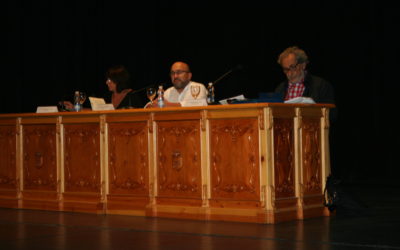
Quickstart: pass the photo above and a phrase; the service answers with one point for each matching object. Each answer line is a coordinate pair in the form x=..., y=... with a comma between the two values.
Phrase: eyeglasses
x=291, y=68
x=178, y=72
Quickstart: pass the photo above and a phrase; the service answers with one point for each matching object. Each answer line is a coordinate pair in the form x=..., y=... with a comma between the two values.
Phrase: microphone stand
x=137, y=91
x=141, y=89
x=223, y=76
x=227, y=73
x=212, y=84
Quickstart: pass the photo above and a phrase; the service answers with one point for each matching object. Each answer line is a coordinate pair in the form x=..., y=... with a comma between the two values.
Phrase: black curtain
x=56, y=47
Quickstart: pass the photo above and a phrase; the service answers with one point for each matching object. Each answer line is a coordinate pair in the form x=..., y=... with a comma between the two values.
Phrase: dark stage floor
x=377, y=227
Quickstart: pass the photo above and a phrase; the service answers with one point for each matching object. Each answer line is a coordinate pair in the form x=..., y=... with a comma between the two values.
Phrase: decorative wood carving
x=325, y=112
x=263, y=193
x=40, y=160
x=311, y=155
x=203, y=120
x=102, y=124
x=284, y=157
x=205, y=196
x=179, y=159
x=261, y=118
x=7, y=157
x=232, y=176
x=82, y=157
x=155, y=161
x=150, y=122
x=128, y=158
x=273, y=195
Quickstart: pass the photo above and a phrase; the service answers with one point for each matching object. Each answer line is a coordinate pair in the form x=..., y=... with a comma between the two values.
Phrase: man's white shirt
x=172, y=94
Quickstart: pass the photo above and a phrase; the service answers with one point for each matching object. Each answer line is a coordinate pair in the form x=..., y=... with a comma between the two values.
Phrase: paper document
x=46, y=109
x=99, y=104
x=96, y=100
x=301, y=99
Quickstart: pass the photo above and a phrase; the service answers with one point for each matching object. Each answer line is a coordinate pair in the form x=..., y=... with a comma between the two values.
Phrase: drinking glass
x=195, y=91
x=151, y=94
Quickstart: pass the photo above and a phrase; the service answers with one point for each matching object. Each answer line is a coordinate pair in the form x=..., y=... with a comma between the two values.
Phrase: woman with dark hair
x=121, y=95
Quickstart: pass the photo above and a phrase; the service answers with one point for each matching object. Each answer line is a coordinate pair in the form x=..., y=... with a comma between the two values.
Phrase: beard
x=178, y=84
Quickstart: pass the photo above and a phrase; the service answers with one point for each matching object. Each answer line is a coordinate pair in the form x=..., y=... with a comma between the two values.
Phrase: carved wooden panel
x=128, y=158
x=284, y=157
x=234, y=152
x=179, y=158
x=82, y=157
x=40, y=157
x=311, y=137
x=8, y=157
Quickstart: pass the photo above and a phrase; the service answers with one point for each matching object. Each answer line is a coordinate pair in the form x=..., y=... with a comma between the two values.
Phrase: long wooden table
x=263, y=163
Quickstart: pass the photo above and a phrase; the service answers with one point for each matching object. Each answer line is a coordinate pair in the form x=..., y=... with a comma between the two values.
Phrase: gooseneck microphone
x=146, y=87
x=130, y=95
x=210, y=87
x=237, y=67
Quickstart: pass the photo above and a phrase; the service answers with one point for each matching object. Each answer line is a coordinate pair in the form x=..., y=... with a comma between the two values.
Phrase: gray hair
x=301, y=56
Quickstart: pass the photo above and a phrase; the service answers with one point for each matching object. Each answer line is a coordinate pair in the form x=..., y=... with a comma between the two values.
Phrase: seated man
x=299, y=82
x=184, y=89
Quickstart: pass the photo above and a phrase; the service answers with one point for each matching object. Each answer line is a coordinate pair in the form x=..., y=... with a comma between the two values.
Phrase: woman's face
x=111, y=85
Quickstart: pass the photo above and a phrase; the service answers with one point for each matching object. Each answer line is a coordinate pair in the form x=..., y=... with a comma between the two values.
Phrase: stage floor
x=377, y=227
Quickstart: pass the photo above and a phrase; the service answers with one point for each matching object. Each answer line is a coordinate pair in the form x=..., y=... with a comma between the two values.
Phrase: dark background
x=54, y=47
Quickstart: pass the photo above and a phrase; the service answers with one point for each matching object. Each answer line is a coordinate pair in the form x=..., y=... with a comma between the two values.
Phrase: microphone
x=210, y=88
x=237, y=67
x=146, y=87
x=130, y=94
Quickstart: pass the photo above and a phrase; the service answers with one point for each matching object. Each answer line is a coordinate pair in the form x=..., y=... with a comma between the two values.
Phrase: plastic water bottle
x=77, y=101
x=210, y=94
x=160, y=97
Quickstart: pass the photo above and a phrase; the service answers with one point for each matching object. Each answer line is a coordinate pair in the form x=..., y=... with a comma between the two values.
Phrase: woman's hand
x=67, y=105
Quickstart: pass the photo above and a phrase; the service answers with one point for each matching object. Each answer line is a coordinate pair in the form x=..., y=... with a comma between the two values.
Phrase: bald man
x=181, y=79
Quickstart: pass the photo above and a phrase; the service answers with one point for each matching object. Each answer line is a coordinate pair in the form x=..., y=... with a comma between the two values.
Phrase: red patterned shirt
x=295, y=90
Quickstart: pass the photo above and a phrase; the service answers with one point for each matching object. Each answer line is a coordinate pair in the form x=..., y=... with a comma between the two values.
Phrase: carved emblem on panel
x=311, y=155
x=177, y=160
x=234, y=177
x=40, y=166
x=232, y=130
x=82, y=157
x=128, y=159
x=284, y=157
x=38, y=160
x=179, y=166
x=7, y=157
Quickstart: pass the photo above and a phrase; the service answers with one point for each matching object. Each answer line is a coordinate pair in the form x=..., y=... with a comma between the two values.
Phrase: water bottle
x=160, y=97
x=77, y=101
x=210, y=94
